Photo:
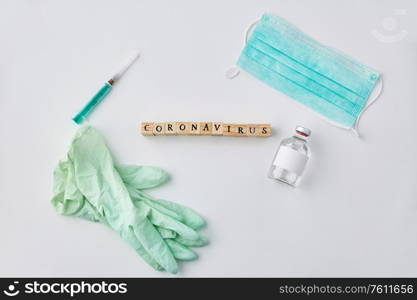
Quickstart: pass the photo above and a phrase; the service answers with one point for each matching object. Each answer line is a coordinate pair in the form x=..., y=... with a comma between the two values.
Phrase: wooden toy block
x=183, y=128
x=205, y=128
x=217, y=129
x=146, y=128
x=170, y=128
x=235, y=129
x=264, y=130
x=194, y=128
x=253, y=129
x=159, y=128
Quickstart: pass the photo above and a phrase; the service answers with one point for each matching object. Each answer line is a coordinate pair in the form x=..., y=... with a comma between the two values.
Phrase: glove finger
x=133, y=242
x=181, y=252
x=169, y=234
x=166, y=233
x=189, y=216
x=179, y=212
x=153, y=243
x=169, y=223
x=142, y=177
x=138, y=195
x=200, y=242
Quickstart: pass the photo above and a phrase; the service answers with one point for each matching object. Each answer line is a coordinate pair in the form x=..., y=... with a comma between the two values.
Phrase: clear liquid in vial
x=291, y=158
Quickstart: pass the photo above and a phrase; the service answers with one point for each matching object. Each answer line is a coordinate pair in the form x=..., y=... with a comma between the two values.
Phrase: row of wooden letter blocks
x=205, y=128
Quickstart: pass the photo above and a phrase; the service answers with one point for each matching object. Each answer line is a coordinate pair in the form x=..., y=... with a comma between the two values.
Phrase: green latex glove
x=88, y=185
x=137, y=178
x=68, y=200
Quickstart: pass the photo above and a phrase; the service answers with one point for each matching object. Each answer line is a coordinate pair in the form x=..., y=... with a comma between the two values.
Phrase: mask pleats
x=317, y=76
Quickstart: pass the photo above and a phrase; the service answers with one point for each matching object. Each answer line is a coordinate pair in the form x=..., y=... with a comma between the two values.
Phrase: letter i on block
x=235, y=129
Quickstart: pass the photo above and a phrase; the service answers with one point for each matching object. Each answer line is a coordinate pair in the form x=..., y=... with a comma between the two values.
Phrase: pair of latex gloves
x=87, y=184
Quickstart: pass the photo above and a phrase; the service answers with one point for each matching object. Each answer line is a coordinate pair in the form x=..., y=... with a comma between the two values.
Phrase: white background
x=355, y=214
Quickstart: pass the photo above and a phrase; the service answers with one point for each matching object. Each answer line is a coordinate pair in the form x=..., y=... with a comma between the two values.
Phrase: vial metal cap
x=303, y=131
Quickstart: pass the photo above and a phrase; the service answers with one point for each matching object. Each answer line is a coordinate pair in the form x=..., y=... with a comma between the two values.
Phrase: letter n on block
x=195, y=128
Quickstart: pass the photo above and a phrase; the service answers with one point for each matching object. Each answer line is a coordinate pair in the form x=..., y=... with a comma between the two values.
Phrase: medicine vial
x=291, y=158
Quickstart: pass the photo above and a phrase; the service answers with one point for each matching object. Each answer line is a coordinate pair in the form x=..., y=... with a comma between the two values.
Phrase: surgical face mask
x=323, y=79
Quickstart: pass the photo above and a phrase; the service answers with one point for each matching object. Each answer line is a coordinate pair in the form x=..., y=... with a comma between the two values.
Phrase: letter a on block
x=205, y=128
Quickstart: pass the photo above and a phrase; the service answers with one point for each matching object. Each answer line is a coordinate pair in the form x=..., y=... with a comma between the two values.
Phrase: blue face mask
x=315, y=75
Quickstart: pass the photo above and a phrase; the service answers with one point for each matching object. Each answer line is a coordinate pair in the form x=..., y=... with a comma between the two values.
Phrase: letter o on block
x=159, y=129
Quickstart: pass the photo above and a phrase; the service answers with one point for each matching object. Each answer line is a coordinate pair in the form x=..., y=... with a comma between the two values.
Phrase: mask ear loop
x=372, y=99
x=249, y=30
x=374, y=96
x=234, y=71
